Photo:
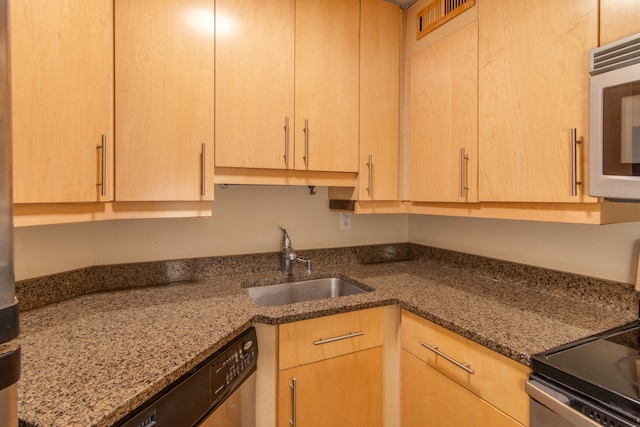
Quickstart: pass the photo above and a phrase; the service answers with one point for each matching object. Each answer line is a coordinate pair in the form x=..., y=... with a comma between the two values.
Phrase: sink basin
x=307, y=290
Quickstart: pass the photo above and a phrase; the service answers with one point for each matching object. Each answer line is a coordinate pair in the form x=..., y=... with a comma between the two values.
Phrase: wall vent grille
x=438, y=13
x=615, y=55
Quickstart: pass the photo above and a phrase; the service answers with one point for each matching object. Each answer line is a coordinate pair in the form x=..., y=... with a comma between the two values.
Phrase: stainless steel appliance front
x=220, y=392
x=9, y=322
x=614, y=120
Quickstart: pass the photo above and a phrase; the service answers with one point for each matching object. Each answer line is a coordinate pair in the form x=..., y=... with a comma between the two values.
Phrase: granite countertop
x=90, y=359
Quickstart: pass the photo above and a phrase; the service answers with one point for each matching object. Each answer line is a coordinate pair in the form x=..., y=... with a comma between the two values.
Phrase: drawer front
x=497, y=379
x=324, y=337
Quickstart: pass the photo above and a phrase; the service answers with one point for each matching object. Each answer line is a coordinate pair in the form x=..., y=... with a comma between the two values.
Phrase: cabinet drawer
x=497, y=379
x=324, y=337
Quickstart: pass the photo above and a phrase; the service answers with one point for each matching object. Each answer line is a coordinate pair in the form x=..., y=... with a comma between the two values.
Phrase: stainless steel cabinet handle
x=103, y=178
x=294, y=391
x=370, y=164
x=306, y=142
x=574, y=163
x=203, y=188
x=341, y=337
x=466, y=366
x=463, y=172
x=286, y=141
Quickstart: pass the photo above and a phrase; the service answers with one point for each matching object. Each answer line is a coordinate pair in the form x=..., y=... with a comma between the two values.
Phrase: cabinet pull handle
x=466, y=366
x=103, y=173
x=370, y=164
x=286, y=141
x=341, y=337
x=203, y=188
x=294, y=391
x=306, y=142
x=463, y=172
x=574, y=163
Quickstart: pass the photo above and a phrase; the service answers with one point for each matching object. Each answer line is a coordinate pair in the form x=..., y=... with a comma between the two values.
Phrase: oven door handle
x=557, y=403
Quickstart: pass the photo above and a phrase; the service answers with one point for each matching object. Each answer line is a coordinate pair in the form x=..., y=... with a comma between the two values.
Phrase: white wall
x=604, y=251
x=245, y=220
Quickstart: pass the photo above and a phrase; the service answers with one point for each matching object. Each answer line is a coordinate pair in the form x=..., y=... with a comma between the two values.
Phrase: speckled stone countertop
x=89, y=359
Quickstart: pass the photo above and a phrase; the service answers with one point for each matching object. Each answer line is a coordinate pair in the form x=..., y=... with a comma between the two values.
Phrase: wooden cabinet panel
x=341, y=391
x=496, y=378
x=533, y=89
x=254, y=83
x=296, y=340
x=62, y=100
x=618, y=19
x=327, y=34
x=164, y=100
x=444, y=119
x=379, y=100
x=429, y=398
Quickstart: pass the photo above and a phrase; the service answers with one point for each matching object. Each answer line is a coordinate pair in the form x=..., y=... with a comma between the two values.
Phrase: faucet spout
x=288, y=255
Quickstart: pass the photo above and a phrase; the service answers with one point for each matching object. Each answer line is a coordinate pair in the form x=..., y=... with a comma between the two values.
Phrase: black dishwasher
x=220, y=392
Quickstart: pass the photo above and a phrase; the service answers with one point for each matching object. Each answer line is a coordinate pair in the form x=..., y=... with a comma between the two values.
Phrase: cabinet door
x=379, y=100
x=533, y=89
x=444, y=119
x=341, y=391
x=429, y=398
x=164, y=100
x=618, y=19
x=62, y=100
x=254, y=83
x=327, y=85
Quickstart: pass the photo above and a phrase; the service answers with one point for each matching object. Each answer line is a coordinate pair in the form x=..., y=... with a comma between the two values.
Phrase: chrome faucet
x=288, y=255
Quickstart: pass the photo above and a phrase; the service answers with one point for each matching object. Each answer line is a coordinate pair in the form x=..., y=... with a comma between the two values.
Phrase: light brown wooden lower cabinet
x=340, y=391
x=430, y=398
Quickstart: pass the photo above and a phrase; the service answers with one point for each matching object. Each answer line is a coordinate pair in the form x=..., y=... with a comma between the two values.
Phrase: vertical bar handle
x=294, y=391
x=306, y=142
x=463, y=172
x=286, y=141
x=203, y=165
x=370, y=164
x=103, y=173
x=574, y=163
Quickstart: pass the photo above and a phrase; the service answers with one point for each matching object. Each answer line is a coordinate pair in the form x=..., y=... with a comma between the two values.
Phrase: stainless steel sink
x=307, y=290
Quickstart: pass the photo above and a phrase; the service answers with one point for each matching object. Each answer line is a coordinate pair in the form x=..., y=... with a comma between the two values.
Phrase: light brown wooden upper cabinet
x=327, y=35
x=254, y=84
x=62, y=74
x=618, y=19
x=533, y=90
x=164, y=89
x=379, y=100
x=277, y=110
x=444, y=119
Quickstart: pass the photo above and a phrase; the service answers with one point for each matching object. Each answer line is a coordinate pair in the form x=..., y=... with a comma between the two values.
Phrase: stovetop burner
x=604, y=367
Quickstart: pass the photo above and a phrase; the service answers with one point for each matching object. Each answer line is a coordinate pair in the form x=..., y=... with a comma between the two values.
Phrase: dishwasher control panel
x=192, y=398
x=233, y=365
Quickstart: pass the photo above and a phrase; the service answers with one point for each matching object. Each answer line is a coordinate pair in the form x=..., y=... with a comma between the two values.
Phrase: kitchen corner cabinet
x=533, y=89
x=380, y=31
x=618, y=19
x=444, y=119
x=332, y=368
x=164, y=92
x=254, y=84
x=327, y=43
x=62, y=91
x=435, y=389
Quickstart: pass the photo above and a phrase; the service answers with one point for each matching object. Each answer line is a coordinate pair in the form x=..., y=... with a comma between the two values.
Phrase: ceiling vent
x=438, y=13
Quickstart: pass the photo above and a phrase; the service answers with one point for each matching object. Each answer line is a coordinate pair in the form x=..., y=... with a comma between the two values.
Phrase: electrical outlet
x=345, y=221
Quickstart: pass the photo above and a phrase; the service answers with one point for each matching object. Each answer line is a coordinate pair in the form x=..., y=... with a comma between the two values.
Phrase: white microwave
x=614, y=120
